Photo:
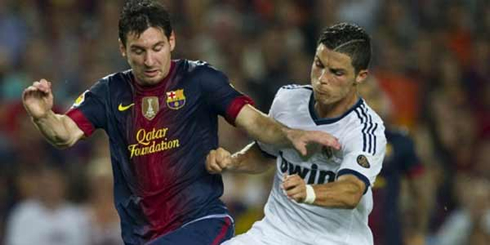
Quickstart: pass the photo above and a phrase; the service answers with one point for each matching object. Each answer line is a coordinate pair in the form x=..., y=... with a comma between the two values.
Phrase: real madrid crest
x=175, y=99
x=150, y=106
x=363, y=161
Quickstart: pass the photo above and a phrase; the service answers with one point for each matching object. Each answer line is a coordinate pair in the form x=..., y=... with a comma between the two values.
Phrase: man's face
x=333, y=77
x=149, y=55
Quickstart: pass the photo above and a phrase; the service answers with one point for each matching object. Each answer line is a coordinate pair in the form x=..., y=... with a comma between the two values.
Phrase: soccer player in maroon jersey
x=161, y=117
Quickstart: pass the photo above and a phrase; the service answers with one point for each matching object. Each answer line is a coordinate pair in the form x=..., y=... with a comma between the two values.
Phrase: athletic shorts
x=205, y=231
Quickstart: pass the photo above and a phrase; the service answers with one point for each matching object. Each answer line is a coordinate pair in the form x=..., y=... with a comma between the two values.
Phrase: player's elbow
x=353, y=190
x=62, y=143
x=353, y=195
x=352, y=200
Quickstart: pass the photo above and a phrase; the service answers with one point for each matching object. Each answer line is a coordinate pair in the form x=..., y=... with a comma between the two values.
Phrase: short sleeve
x=220, y=95
x=361, y=161
x=89, y=109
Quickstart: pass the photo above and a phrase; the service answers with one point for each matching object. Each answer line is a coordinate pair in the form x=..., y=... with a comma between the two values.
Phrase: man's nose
x=149, y=59
x=324, y=76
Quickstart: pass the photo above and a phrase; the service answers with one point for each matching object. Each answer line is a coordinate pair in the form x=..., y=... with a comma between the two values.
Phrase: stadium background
x=432, y=58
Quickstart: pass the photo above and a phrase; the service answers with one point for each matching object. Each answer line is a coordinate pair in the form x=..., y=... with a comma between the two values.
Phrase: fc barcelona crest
x=150, y=107
x=363, y=161
x=175, y=99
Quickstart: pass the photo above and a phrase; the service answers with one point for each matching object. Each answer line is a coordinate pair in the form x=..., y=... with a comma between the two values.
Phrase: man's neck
x=338, y=108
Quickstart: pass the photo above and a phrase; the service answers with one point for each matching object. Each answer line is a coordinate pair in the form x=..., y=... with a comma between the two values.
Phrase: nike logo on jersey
x=123, y=108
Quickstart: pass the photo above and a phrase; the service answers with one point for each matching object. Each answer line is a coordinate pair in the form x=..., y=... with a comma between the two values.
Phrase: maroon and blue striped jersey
x=159, y=139
x=401, y=161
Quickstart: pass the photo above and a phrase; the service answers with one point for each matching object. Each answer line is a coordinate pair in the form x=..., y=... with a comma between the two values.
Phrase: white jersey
x=361, y=134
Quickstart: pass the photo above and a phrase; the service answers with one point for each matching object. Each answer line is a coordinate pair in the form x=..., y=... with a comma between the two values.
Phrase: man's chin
x=149, y=81
x=326, y=100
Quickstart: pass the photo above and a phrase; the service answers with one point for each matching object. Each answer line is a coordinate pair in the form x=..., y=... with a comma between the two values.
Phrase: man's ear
x=122, y=48
x=361, y=76
x=172, y=41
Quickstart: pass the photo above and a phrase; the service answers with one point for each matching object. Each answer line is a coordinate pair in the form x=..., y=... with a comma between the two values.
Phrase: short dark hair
x=349, y=39
x=139, y=15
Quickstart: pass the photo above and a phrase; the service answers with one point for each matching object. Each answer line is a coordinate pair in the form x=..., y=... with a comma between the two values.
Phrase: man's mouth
x=151, y=73
x=321, y=92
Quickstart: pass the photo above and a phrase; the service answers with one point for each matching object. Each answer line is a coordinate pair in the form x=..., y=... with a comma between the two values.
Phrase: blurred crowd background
x=431, y=60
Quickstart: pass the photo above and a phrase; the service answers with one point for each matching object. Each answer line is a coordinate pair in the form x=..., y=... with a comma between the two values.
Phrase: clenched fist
x=218, y=161
x=294, y=187
x=38, y=99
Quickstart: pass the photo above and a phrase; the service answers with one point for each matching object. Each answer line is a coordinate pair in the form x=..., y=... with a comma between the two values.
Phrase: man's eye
x=337, y=72
x=318, y=63
x=138, y=51
x=158, y=48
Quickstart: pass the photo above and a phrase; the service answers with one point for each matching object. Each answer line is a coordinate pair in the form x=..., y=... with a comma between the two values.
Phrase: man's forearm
x=344, y=194
x=267, y=130
x=250, y=160
x=56, y=129
x=272, y=132
x=263, y=128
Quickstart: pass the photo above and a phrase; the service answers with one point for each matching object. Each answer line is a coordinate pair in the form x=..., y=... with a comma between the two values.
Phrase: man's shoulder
x=292, y=95
x=111, y=85
x=119, y=81
x=366, y=114
x=294, y=90
x=125, y=75
x=363, y=121
x=191, y=66
x=296, y=87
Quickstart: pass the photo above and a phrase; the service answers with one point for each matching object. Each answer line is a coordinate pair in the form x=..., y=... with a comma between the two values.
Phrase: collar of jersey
x=321, y=121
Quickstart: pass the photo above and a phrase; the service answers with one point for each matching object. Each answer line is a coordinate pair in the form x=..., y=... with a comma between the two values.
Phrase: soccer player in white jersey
x=323, y=198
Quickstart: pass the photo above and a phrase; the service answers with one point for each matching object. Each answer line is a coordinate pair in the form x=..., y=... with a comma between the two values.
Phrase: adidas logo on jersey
x=311, y=176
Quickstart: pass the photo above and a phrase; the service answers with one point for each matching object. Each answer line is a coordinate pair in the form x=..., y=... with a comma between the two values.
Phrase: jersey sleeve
x=89, y=109
x=364, y=151
x=220, y=95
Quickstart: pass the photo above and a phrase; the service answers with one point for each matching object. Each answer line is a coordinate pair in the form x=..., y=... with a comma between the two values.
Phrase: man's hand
x=295, y=187
x=218, y=161
x=300, y=139
x=38, y=99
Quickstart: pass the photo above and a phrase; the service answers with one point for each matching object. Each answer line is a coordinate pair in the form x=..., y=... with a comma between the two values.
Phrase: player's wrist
x=310, y=195
x=41, y=118
x=235, y=160
x=288, y=135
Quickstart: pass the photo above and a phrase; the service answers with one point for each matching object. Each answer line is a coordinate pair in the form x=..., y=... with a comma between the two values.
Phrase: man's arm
x=248, y=160
x=265, y=129
x=59, y=130
x=346, y=192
